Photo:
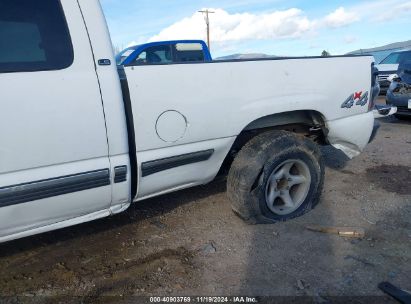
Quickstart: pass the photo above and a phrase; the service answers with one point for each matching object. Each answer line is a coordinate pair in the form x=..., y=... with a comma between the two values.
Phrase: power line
x=206, y=14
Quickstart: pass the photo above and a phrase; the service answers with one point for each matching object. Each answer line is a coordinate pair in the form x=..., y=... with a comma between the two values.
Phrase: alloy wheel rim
x=288, y=187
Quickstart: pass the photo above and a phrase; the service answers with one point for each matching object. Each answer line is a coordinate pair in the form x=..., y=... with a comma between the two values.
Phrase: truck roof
x=166, y=42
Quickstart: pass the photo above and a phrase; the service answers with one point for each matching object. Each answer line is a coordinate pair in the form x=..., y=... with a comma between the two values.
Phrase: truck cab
x=165, y=52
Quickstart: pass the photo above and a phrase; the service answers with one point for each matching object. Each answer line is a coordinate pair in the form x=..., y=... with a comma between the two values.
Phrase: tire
x=262, y=165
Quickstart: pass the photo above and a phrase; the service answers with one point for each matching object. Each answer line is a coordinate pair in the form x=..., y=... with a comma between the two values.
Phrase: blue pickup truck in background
x=165, y=52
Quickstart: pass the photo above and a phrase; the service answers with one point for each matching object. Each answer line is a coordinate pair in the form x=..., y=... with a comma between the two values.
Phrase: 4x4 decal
x=358, y=98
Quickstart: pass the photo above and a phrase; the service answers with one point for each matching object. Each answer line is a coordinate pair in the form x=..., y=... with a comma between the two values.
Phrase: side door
x=54, y=163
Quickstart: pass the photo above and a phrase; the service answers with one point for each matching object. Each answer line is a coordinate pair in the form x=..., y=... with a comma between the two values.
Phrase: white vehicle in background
x=81, y=140
x=389, y=66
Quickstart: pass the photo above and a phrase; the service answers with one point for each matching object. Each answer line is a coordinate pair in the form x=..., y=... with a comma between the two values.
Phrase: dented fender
x=351, y=134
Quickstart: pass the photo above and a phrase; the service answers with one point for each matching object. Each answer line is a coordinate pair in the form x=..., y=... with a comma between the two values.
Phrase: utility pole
x=206, y=14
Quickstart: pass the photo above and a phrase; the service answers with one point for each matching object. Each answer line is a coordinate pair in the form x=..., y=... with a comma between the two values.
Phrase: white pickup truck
x=82, y=140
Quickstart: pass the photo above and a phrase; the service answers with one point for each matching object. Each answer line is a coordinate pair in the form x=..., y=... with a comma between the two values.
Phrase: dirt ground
x=190, y=242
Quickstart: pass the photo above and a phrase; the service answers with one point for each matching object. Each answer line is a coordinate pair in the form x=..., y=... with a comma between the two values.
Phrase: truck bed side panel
x=218, y=100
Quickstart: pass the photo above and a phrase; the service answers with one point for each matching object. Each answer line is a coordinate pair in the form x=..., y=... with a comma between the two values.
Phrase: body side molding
x=33, y=191
x=152, y=167
x=120, y=174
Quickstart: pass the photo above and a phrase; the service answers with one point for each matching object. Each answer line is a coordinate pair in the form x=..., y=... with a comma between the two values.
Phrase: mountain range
x=245, y=56
x=387, y=47
x=378, y=52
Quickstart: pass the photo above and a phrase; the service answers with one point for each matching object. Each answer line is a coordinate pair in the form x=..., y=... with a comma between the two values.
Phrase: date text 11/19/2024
x=200, y=300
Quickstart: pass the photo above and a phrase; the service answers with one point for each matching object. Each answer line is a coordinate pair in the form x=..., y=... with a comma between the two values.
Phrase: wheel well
x=307, y=123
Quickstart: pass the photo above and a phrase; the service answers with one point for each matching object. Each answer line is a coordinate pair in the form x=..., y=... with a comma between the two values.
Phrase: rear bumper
x=398, y=100
x=384, y=110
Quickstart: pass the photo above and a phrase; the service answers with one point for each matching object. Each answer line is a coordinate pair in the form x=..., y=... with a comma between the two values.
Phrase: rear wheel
x=277, y=176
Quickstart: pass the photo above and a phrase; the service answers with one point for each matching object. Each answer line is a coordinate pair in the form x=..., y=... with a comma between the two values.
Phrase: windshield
x=398, y=57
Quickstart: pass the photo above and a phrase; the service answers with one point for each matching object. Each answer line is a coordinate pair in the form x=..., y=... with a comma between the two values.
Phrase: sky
x=274, y=27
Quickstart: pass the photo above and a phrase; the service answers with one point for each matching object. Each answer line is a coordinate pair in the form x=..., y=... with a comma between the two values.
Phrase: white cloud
x=394, y=11
x=382, y=10
x=289, y=23
x=230, y=30
x=340, y=17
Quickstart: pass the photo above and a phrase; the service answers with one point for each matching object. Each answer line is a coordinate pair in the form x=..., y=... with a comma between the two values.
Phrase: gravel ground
x=190, y=242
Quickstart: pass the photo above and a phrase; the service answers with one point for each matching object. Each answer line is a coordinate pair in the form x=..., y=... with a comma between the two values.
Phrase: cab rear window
x=33, y=36
x=188, y=52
